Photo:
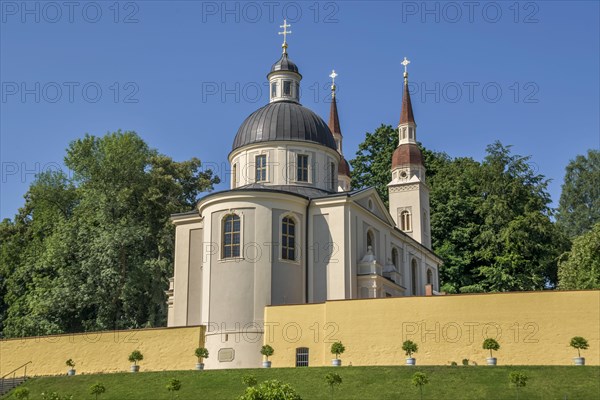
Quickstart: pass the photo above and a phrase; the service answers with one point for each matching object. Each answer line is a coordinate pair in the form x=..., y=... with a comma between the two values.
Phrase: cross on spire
x=405, y=63
x=284, y=33
x=333, y=76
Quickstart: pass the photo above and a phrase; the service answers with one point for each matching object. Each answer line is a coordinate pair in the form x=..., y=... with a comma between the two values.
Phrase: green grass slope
x=364, y=383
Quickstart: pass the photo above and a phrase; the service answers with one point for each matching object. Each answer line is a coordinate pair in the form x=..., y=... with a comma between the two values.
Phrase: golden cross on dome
x=284, y=33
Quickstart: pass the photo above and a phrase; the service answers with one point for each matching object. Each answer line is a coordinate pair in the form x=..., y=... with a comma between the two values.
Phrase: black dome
x=285, y=64
x=283, y=120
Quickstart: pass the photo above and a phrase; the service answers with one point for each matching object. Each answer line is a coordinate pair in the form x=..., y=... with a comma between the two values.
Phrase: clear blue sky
x=195, y=70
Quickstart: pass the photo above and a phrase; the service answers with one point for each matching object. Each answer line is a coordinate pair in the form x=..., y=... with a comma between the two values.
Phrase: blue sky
x=185, y=74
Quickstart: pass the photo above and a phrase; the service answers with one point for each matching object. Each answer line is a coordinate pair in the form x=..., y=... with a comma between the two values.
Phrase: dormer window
x=287, y=88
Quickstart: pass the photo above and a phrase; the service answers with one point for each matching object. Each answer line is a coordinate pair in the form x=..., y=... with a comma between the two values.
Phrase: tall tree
x=579, y=207
x=580, y=267
x=96, y=249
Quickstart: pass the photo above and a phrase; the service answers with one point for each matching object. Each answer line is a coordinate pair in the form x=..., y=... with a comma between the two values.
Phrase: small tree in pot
x=201, y=353
x=410, y=348
x=491, y=345
x=267, y=351
x=134, y=357
x=579, y=343
x=71, y=364
x=337, y=348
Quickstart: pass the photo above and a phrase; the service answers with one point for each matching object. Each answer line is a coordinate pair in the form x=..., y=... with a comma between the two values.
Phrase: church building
x=291, y=230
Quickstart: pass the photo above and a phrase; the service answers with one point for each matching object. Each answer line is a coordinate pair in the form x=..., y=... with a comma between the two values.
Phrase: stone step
x=8, y=384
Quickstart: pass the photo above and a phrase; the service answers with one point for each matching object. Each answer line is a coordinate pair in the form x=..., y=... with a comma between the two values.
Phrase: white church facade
x=290, y=230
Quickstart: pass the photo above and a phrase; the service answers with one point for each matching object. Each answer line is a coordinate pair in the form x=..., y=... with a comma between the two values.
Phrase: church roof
x=407, y=153
x=284, y=120
x=284, y=64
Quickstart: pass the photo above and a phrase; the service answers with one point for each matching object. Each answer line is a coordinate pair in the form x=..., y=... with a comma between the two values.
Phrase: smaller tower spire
x=285, y=33
x=406, y=116
x=334, y=120
x=343, y=172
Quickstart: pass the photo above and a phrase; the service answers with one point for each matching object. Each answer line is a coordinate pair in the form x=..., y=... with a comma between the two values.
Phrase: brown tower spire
x=334, y=126
x=334, y=120
x=407, y=112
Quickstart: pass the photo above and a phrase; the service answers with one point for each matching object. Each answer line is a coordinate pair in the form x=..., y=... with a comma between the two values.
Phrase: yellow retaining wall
x=533, y=328
x=163, y=349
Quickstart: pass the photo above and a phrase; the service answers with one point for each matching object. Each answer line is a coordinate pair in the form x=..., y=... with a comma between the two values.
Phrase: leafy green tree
x=518, y=380
x=491, y=345
x=372, y=165
x=409, y=348
x=333, y=380
x=271, y=390
x=93, y=250
x=491, y=223
x=420, y=379
x=337, y=348
x=173, y=386
x=579, y=206
x=267, y=351
x=579, y=343
x=97, y=389
x=135, y=357
x=201, y=353
x=580, y=267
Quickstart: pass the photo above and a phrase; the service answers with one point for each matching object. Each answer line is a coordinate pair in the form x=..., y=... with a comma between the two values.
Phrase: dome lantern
x=284, y=78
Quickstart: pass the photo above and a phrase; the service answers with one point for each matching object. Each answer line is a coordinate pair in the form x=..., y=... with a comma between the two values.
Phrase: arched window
x=234, y=176
x=302, y=357
x=231, y=236
x=395, y=258
x=414, y=276
x=405, y=222
x=288, y=239
x=429, y=277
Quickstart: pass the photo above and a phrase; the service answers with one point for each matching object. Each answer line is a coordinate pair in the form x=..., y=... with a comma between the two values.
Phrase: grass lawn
x=381, y=383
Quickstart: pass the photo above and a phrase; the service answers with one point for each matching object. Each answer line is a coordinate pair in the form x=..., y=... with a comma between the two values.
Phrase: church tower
x=334, y=126
x=408, y=192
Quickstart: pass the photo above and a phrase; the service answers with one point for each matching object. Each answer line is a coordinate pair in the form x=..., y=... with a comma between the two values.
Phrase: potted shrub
x=201, y=353
x=267, y=351
x=71, y=364
x=491, y=345
x=134, y=357
x=337, y=348
x=410, y=348
x=579, y=343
